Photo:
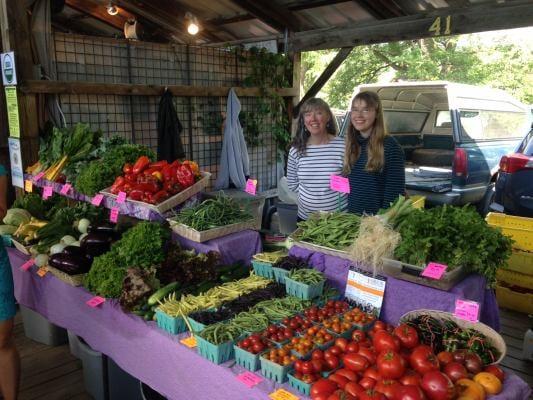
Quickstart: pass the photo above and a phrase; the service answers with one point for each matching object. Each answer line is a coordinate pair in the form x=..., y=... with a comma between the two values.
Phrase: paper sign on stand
x=97, y=200
x=189, y=341
x=27, y=265
x=366, y=291
x=282, y=394
x=95, y=301
x=339, y=184
x=434, y=270
x=42, y=272
x=65, y=189
x=467, y=310
x=251, y=186
x=249, y=379
x=28, y=186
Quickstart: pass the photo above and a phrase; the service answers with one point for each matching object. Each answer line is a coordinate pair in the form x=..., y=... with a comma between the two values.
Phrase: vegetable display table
x=402, y=296
x=146, y=352
x=238, y=246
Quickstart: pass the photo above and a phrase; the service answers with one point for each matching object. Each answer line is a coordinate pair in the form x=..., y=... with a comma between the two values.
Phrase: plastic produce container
x=121, y=384
x=217, y=354
x=94, y=371
x=39, y=329
x=273, y=371
x=303, y=291
x=147, y=393
x=263, y=269
x=174, y=325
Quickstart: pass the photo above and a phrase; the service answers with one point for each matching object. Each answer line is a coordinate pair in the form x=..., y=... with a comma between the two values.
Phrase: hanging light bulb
x=192, y=24
x=111, y=9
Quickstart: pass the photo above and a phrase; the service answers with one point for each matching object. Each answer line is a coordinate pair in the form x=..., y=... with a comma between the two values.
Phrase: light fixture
x=192, y=23
x=111, y=9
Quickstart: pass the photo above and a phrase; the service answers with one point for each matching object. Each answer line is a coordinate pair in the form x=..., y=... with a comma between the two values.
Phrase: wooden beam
x=324, y=76
x=381, y=9
x=270, y=13
x=507, y=15
x=70, y=87
x=98, y=11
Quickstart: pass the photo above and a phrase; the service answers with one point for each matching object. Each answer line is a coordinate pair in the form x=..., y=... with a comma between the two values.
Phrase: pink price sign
x=434, y=270
x=27, y=265
x=47, y=192
x=113, y=217
x=339, y=184
x=467, y=310
x=121, y=198
x=251, y=186
x=249, y=379
x=95, y=301
x=97, y=200
x=38, y=177
x=65, y=189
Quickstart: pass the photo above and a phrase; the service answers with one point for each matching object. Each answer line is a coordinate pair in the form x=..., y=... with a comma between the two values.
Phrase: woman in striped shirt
x=374, y=161
x=316, y=154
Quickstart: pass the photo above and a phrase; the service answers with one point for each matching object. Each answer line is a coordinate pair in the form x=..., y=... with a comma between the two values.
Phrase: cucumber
x=161, y=293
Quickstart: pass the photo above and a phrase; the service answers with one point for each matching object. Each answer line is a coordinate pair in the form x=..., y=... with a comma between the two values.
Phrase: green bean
x=306, y=276
x=335, y=230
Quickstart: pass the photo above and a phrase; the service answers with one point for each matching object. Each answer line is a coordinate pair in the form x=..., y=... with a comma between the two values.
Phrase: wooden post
x=296, y=85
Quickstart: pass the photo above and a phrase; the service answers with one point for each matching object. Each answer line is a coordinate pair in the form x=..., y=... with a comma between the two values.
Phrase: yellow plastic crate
x=515, y=278
x=507, y=298
x=418, y=201
x=521, y=261
x=520, y=229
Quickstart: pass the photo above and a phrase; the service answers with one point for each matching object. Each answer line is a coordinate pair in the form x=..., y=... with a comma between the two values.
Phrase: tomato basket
x=217, y=354
x=248, y=360
x=280, y=274
x=173, y=325
x=263, y=269
x=274, y=371
x=299, y=385
x=303, y=291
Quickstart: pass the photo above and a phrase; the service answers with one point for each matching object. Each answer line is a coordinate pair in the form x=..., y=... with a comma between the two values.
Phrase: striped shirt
x=309, y=176
x=371, y=191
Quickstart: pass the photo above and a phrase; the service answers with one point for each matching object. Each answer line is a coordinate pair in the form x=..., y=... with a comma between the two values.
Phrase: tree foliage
x=470, y=59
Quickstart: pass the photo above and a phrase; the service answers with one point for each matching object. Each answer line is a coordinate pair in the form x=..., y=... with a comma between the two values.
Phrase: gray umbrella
x=234, y=161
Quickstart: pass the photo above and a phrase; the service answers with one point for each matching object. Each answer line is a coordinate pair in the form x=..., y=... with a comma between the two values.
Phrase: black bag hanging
x=169, y=146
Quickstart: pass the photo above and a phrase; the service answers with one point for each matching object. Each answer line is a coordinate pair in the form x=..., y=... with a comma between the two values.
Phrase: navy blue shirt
x=370, y=191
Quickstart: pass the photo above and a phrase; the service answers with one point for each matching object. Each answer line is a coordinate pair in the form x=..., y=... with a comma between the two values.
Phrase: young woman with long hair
x=316, y=154
x=374, y=161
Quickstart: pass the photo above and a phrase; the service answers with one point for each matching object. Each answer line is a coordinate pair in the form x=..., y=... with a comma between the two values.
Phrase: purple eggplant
x=69, y=263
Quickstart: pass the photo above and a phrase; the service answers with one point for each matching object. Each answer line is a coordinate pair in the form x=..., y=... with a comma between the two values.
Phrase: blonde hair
x=302, y=135
x=376, y=152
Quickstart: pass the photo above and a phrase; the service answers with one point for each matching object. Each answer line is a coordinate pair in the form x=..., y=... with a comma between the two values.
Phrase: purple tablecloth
x=402, y=296
x=146, y=352
x=238, y=246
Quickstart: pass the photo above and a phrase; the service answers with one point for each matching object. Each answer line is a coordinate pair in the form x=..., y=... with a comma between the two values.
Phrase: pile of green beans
x=336, y=230
x=306, y=276
x=213, y=213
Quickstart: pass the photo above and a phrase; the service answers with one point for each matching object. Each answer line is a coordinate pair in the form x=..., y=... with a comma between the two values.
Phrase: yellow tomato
x=490, y=383
x=467, y=389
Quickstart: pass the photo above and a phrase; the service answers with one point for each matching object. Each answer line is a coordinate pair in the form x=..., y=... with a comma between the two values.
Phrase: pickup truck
x=453, y=136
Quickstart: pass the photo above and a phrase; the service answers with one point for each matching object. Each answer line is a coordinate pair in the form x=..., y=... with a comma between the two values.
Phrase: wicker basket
x=72, y=280
x=203, y=236
x=494, y=337
x=172, y=201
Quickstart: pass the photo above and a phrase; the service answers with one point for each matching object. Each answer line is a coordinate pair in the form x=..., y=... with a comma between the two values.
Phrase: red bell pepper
x=166, y=171
x=127, y=168
x=136, y=194
x=148, y=198
x=172, y=187
x=141, y=164
x=160, y=196
x=131, y=178
x=185, y=176
x=176, y=163
x=119, y=182
x=159, y=165
x=148, y=187
x=193, y=166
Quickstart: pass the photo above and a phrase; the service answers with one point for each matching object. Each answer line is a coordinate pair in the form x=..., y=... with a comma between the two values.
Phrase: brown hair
x=302, y=135
x=376, y=152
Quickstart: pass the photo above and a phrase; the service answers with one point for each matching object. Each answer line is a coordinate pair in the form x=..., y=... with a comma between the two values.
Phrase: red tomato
x=332, y=362
x=340, y=380
x=323, y=386
x=353, y=388
x=411, y=378
x=341, y=343
x=318, y=365
x=445, y=357
x=496, y=371
x=388, y=387
x=352, y=347
x=333, y=351
x=317, y=354
x=379, y=326
x=358, y=335
x=307, y=367
x=350, y=375
x=341, y=395
x=298, y=365
x=373, y=373
x=391, y=365
x=408, y=335
x=371, y=394
x=367, y=353
x=355, y=362
x=423, y=360
x=409, y=392
x=383, y=340
x=455, y=371
x=437, y=386
x=367, y=383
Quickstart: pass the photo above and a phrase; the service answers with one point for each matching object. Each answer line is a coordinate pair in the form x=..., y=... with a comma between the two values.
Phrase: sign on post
x=17, y=174
x=12, y=111
x=9, y=73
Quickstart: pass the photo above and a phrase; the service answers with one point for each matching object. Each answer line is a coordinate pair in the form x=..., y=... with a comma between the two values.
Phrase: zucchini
x=161, y=293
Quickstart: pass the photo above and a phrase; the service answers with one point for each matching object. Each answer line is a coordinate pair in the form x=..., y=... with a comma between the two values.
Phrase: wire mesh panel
x=93, y=59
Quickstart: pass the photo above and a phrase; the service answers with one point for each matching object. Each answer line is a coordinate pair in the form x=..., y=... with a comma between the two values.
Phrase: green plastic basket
x=280, y=274
x=246, y=359
x=273, y=371
x=174, y=325
x=297, y=384
x=263, y=269
x=303, y=291
x=217, y=354
x=195, y=325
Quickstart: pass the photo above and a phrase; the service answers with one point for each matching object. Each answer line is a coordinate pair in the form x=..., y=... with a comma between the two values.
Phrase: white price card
x=365, y=290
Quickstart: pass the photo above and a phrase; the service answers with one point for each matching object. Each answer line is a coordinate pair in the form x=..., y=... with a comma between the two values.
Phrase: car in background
x=514, y=185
